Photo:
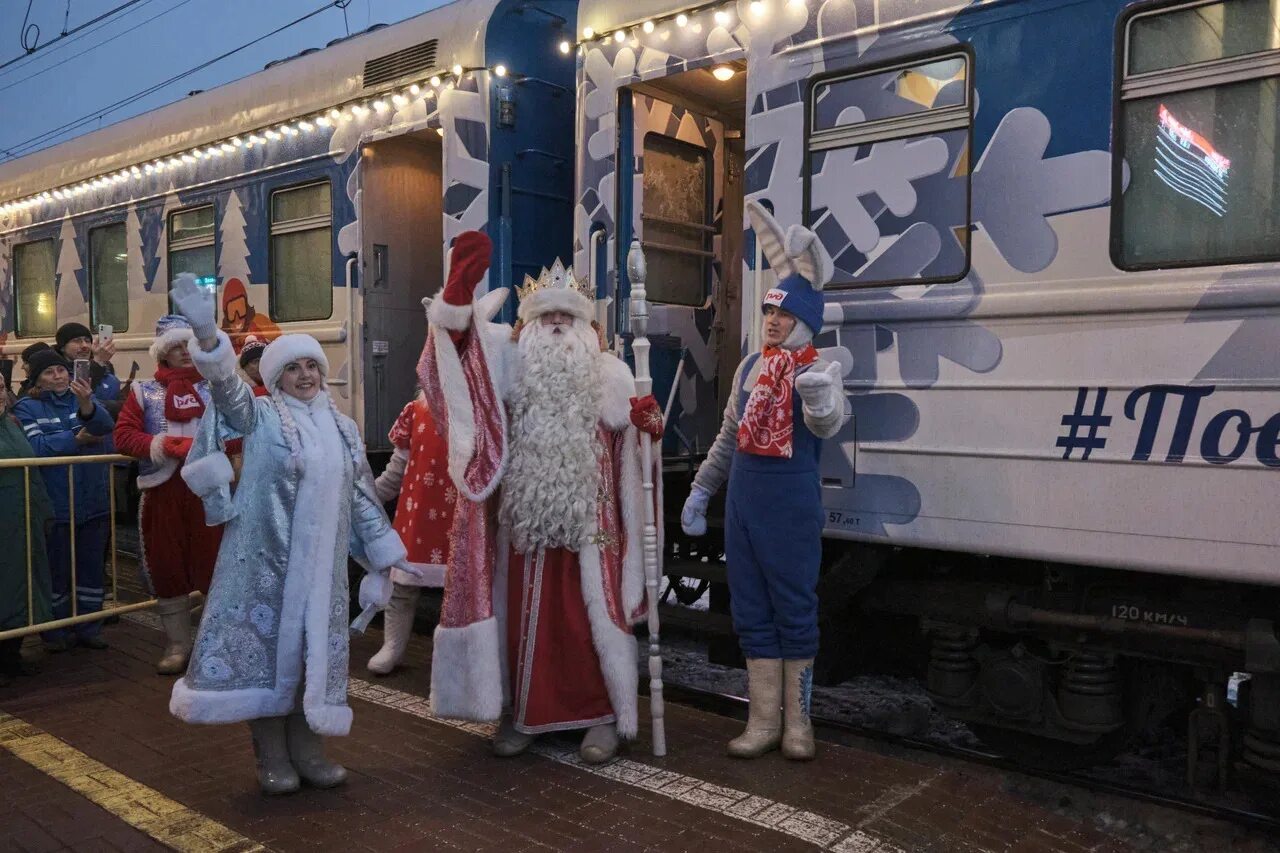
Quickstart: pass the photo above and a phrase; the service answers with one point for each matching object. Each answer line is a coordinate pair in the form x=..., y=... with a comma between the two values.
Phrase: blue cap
x=795, y=295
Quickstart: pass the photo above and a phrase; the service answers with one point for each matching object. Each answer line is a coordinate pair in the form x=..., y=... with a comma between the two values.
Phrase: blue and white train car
x=1057, y=304
x=318, y=195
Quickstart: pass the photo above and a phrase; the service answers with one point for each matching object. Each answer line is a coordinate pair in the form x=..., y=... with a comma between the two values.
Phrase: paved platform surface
x=91, y=760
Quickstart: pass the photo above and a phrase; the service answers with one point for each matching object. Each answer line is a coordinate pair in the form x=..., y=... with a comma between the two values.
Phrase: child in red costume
x=156, y=425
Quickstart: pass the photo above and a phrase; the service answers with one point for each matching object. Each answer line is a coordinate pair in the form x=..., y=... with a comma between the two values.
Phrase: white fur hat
x=285, y=349
x=171, y=330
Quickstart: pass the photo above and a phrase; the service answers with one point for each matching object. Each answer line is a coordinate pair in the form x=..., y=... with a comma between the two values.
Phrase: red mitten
x=646, y=416
x=176, y=447
x=468, y=261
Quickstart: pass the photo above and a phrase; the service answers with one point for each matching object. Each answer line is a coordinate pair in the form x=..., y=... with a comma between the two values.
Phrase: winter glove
x=815, y=389
x=375, y=595
x=693, y=518
x=196, y=304
x=409, y=569
x=646, y=416
x=468, y=262
x=176, y=447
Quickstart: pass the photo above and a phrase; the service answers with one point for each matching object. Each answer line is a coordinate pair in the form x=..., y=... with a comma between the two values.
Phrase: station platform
x=92, y=760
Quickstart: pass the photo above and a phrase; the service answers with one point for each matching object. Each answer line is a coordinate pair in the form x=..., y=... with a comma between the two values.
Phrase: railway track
x=841, y=731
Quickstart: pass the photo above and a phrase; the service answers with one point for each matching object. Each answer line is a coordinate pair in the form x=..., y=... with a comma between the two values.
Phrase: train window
x=1199, y=107
x=108, y=277
x=677, y=231
x=917, y=113
x=302, y=253
x=191, y=245
x=34, y=289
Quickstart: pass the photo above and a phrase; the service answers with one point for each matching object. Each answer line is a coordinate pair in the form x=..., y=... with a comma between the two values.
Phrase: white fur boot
x=275, y=772
x=599, y=744
x=306, y=752
x=397, y=627
x=797, y=736
x=175, y=616
x=764, y=716
x=508, y=741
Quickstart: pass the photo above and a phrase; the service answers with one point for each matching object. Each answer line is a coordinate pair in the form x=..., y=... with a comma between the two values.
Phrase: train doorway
x=684, y=201
x=401, y=262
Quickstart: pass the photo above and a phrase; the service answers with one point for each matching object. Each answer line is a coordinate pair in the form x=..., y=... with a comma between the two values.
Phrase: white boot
x=764, y=717
x=599, y=744
x=397, y=627
x=797, y=736
x=275, y=772
x=306, y=752
x=508, y=742
x=175, y=616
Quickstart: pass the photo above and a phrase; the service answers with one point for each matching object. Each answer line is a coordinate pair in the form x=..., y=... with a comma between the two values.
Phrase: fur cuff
x=617, y=387
x=218, y=365
x=455, y=318
x=158, y=455
x=208, y=474
x=385, y=551
x=330, y=720
x=466, y=672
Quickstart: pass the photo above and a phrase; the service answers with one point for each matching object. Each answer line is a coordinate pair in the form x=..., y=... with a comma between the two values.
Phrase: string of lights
x=427, y=88
x=681, y=19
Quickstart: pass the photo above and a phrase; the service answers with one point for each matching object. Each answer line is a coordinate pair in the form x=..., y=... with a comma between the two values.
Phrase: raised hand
x=468, y=262
x=196, y=304
x=104, y=351
x=84, y=394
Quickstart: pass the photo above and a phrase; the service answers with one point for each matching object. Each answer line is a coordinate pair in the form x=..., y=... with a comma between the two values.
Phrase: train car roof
x=294, y=87
x=605, y=15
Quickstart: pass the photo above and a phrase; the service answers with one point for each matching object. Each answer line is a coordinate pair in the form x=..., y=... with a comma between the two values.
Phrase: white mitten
x=196, y=304
x=693, y=518
x=816, y=390
x=375, y=590
x=409, y=569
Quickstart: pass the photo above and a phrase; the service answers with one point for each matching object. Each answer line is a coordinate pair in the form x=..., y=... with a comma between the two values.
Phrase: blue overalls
x=773, y=542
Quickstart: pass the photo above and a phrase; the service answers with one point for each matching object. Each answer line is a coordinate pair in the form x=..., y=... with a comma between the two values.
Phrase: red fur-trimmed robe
x=547, y=635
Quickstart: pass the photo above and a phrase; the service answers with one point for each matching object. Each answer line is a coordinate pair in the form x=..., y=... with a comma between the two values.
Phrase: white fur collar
x=617, y=387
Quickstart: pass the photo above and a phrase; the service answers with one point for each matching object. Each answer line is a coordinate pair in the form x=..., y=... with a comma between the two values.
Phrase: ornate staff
x=652, y=568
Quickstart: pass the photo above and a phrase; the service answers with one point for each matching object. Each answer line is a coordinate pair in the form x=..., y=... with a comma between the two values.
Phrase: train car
x=318, y=195
x=1056, y=303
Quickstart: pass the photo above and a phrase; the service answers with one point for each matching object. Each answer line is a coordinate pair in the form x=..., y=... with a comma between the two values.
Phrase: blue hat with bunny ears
x=799, y=260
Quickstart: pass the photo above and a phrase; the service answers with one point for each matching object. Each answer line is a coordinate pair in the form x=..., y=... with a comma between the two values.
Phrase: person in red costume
x=250, y=358
x=156, y=425
x=545, y=577
x=240, y=320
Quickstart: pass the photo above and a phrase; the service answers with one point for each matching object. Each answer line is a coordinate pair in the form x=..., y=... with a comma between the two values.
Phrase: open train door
x=401, y=262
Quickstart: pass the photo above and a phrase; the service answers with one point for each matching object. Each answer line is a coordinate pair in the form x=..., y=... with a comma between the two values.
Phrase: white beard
x=551, y=486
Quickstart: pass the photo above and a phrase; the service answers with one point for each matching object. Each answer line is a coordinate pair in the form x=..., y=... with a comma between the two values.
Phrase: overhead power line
x=35, y=47
x=27, y=145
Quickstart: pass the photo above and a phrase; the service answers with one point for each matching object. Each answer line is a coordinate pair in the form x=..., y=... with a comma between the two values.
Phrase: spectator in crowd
x=75, y=341
x=61, y=418
x=250, y=356
x=26, y=384
x=22, y=527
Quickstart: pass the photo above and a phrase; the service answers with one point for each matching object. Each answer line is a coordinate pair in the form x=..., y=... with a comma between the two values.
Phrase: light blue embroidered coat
x=280, y=583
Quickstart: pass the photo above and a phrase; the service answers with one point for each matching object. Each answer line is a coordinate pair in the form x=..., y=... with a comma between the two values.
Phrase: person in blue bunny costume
x=784, y=401
x=272, y=648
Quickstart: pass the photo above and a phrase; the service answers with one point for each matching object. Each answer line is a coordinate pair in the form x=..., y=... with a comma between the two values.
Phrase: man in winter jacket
x=159, y=419
x=75, y=341
x=61, y=417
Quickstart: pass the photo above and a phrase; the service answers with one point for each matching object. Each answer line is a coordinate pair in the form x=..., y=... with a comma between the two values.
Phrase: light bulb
x=722, y=18
x=587, y=32
x=213, y=151
x=757, y=7
x=306, y=126
x=380, y=105
x=565, y=47
x=435, y=81
x=619, y=36
x=682, y=20
x=722, y=72
x=457, y=70
x=188, y=159
x=647, y=26
x=440, y=131
x=415, y=90
x=399, y=100
x=323, y=121
x=500, y=70
x=335, y=113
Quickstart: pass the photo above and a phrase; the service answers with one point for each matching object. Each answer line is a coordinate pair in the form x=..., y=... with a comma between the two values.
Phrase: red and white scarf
x=766, y=427
x=181, y=402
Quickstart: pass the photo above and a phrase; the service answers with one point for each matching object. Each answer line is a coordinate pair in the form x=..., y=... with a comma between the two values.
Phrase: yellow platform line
x=167, y=821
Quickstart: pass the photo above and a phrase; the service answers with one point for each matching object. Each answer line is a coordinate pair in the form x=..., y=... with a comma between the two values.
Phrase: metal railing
x=76, y=618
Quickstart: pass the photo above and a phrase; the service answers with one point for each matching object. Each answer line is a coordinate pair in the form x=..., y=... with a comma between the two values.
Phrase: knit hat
x=42, y=360
x=68, y=332
x=171, y=330
x=252, y=350
x=286, y=349
x=32, y=350
x=800, y=262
